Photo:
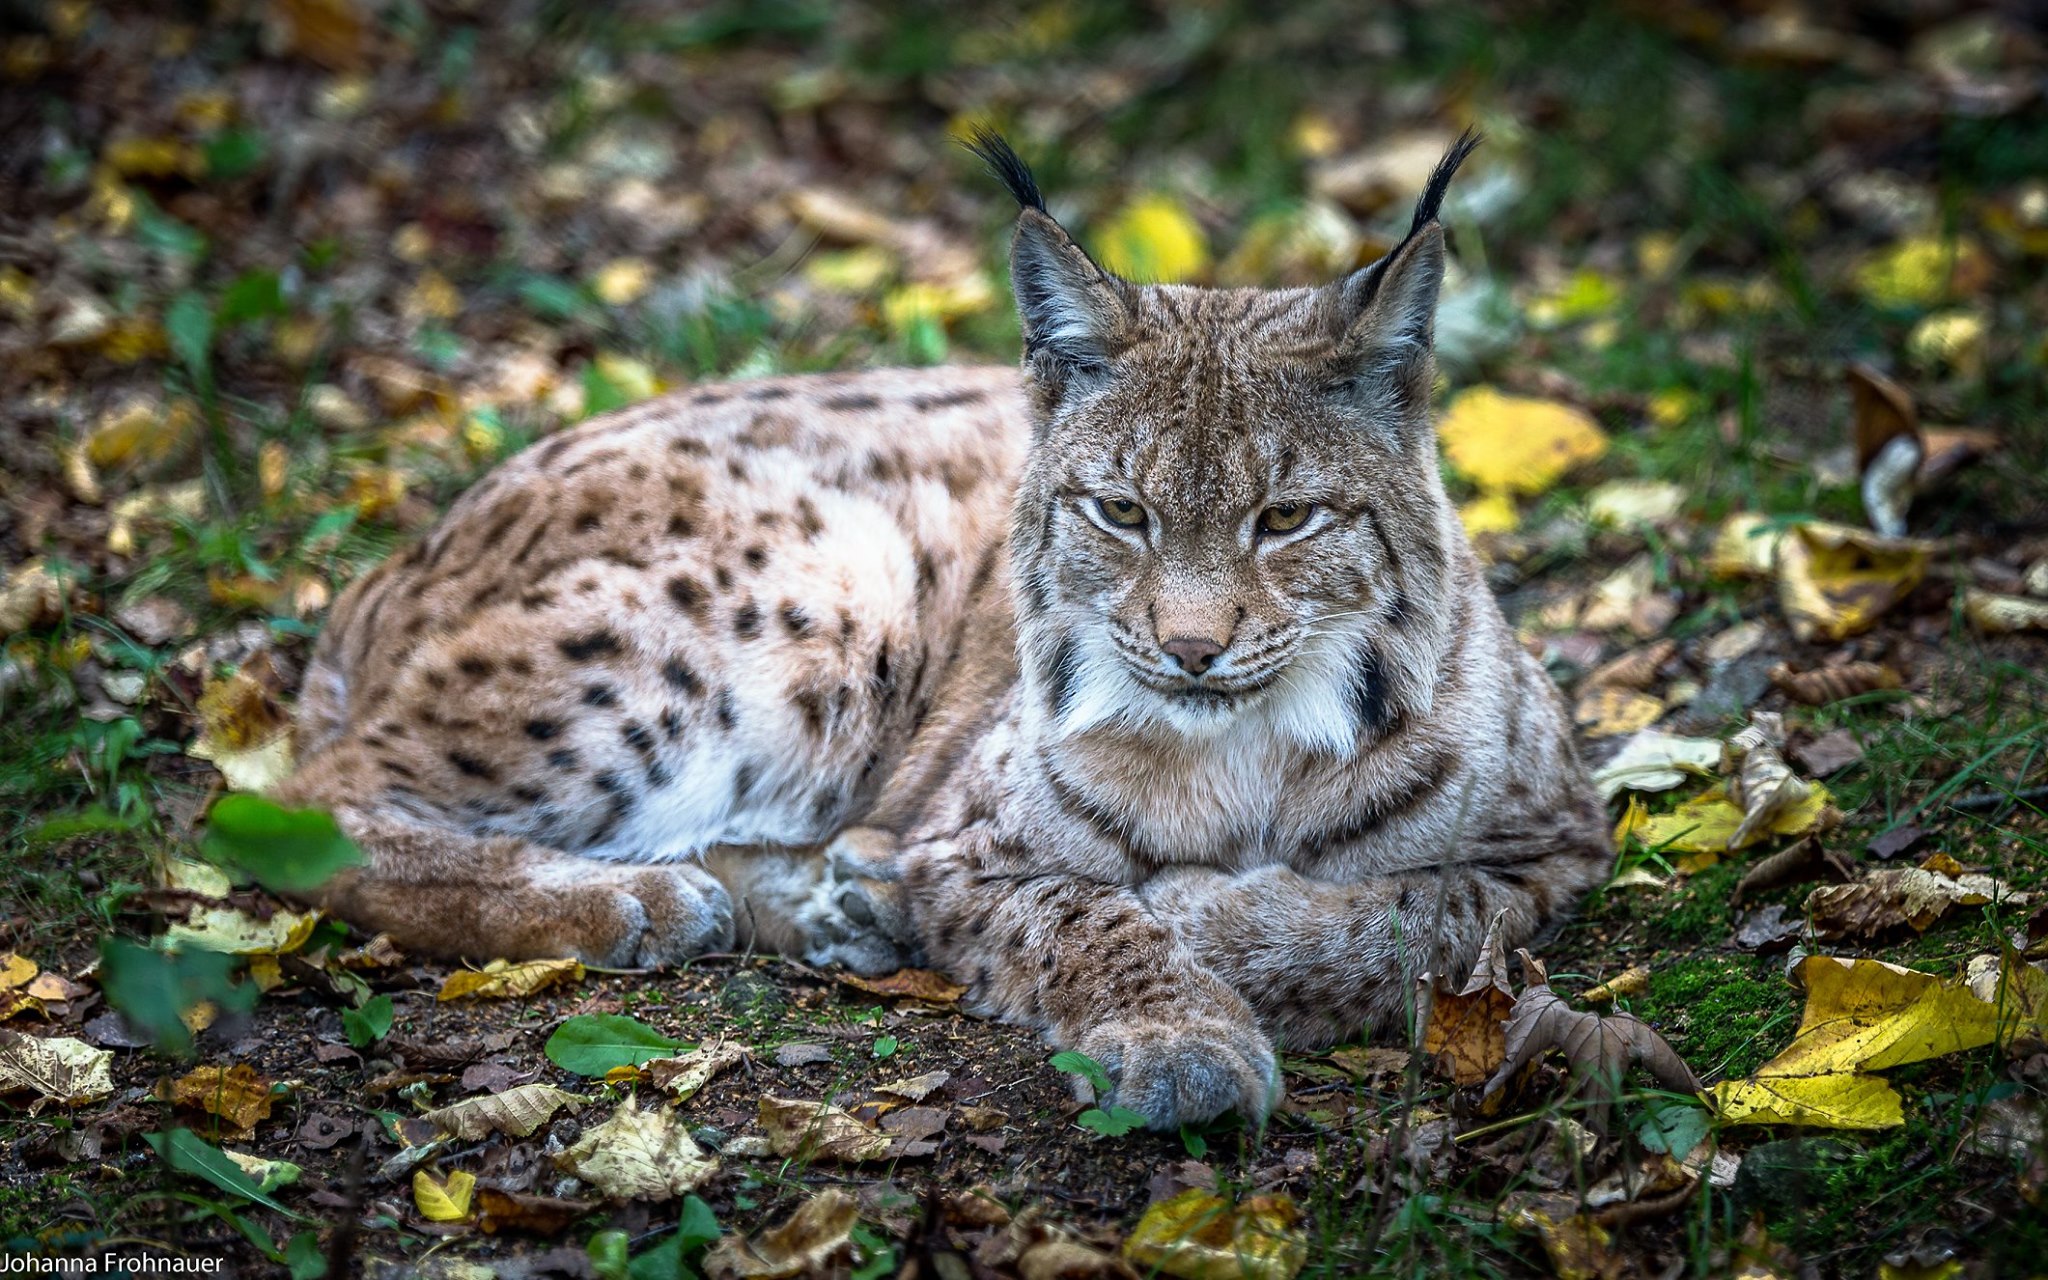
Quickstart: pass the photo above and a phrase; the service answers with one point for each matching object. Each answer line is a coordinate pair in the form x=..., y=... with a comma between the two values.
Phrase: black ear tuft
x=1008, y=168
x=1427, y=208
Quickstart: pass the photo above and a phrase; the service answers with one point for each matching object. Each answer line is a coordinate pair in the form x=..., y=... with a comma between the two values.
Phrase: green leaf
x=879, y=1254
x=1673, y=1128
x=1113, y=1123
x=607, y=1253
x=671, y=1259
x=1197, y=1145
x=188, y=324
x=284, y=850
x=253, y=295
x=591, y=1044
x=153, y=990
x=187, y=1152
x=304, y=1256
x=231, y=153
x=160, y=231
x=553, y=298
x=601, y=394
x=885, y=1046
x=369, y=1024
x=1080, y=1064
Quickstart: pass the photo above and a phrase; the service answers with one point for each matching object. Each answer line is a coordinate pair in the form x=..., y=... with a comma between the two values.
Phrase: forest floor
x=278, y=279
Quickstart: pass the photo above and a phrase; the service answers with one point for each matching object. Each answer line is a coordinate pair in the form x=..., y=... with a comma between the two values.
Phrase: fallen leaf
x=1832, y=752
x=1655, y=761
x=1579, y=1248
x=1153, y=240
x=1890, y=844
x=1489, y=513
x=30, y=597
x=1632, y=981
x=915, y=1088
x=1707, y=823
x=1835, y=581
x=1763, y=786
x=1597, y=1049
x=801, y=1054
x=1370, y=1063
x=1796, y=863
x=808, y=1243
x=1823, y=685
x=1634, y=504
x=915, y=1124
x=268, y=1175
x=234, y=931
x=56, y=1069
x=517, y=1111
x=1636, y=669
x=1889, y=447
x=1516, y=444
x=1466, y=1027
x=236, y=1094
x=1999, y=614
x=1893, y=897
x=1629, y=598
x=443, y=1201
x=1768, y=929
x=682, y=1076
x=244, y=733
x=1745, y=546
x=520, y=1211
x=639, y=1155
x=502, y=978
x=912, y=984
x=1608, y=711
x=818, y=1130
x=1920, y=271
x=1862, y=1016
x=1199, y=1235
x=1303, y=244
x=16, y=971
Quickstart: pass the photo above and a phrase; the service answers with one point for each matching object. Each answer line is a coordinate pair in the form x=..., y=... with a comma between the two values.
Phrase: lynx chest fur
x=1153, y=689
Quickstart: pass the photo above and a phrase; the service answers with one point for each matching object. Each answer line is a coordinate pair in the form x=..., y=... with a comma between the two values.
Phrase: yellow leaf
x=243, y=732
x=1198, y=1235
x=1630, y=504
x=443, y=1201
x=1999, y=614
x=1489, y=513
x=1745, y=547
x=140, y=430
x=1610, y=711
x=225, y=928
x=905, y=306
x=1706, y=822
x=1672, y=407
x=1919, y=271
x=1302, y=245
x=1835, y=581
x=1831, y=1101
x=852, y=271
x=1516, y=444
x=501, y=979
x=1153, y=239
x=1634, y=821
x=1953, y=338
x=17, y=971
x=159, y=157
x=622, y=281
x=432, y=297
x=633, y=379
x=236, y=1094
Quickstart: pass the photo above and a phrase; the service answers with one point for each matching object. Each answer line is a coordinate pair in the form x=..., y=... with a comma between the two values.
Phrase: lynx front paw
x=855, y=916
x=658, y=916
x=1186, y=1072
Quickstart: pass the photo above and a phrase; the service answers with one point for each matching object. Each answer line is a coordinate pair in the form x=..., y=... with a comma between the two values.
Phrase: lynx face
x=1206, y=524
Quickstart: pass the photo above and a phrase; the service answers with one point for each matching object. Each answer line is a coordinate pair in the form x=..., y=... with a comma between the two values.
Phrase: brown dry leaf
x=1830, y=753
x=1598, y=1049
x=501, y=979
x=236, y=1094
x=1763, y=786
x=908, y=984
x=1999, y=614
x=1796, y=863
x=915, y=1088
x=1608, y=711
x=1199, y=1235
x=1889, y=447
x=1636, y=669
x=814, y=1238
x=1823, y=685
x=818, y=1130
x=517, y=1111
x=639, y=1155
x=55, y=1069
x=1835, y=581
x=534, y=1215
x=1629, y=598
x=30, y=597
x=332, y=33
x=1893, y=897
x=1578, y=1246
x=244, y=732
x=1465, y=1029
x=681, y=1076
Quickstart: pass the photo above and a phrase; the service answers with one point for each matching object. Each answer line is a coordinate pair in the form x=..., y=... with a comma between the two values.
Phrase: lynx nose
x=1193, y=653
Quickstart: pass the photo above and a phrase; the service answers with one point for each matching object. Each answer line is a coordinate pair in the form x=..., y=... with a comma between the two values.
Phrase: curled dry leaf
x=915, y=1088
x=1999, y=614
x=517, y=1111
x=1597, y=1049
x=244, y=732
x=639, y=1155
x=519, y=1211
x=30, y=596
x=54, y=1069
x=1763, y=786
x=1796, y=863
x=820, y=1131
x=236, y=1094
x=1200, y=1235
x=1465, y=1027
x=1636, y=669
x=1823, y=685
x=1889, y=448
x=236, y=932
x=501, y=979
x=1896, y=897
x=1656, y=761
x=1631, y=981
x=907, y=984
x=683, y=1075
x=1836, y=581
x=814, y=1238
x=1831, y=752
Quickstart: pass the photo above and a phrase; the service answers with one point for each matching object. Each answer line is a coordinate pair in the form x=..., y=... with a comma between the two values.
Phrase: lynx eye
x=1121, y=511
x=1284, y=517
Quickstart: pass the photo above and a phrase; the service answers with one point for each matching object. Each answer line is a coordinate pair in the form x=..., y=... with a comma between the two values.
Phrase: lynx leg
x=1092, y=966
x=823, y=906
x=439, y=891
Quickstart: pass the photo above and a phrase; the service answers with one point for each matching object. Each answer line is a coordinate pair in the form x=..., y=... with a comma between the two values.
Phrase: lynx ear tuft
x=1073, y=312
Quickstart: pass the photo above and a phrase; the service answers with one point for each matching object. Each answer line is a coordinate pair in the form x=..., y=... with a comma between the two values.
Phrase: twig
x=1982, y=801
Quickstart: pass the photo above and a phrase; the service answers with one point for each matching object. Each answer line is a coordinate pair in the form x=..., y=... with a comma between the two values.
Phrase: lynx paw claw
x=855, y=917
x=1186, y=1072
x=665, y=915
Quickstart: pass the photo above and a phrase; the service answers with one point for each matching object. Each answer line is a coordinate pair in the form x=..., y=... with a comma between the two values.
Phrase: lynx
x=1155, y=690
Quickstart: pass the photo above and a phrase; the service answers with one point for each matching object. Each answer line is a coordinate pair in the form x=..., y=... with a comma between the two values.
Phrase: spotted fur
x=870, y=664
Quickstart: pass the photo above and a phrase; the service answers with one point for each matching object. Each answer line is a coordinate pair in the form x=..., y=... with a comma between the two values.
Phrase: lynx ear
x=1386, y=312
x=1072, y=310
